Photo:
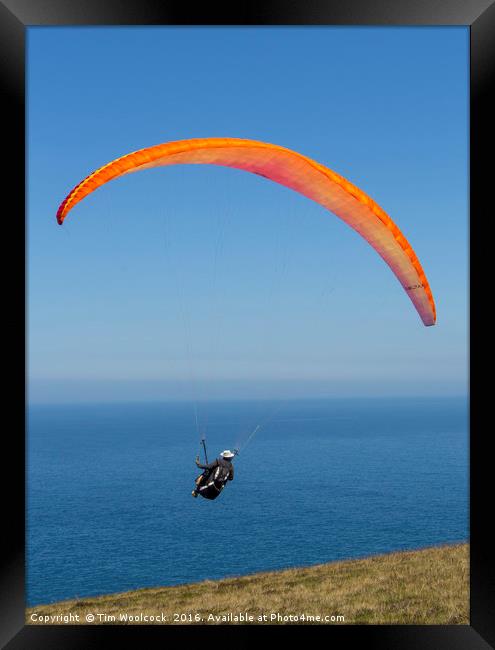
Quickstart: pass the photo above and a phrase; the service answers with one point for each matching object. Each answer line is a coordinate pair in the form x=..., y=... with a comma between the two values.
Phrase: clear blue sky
x=197, y=281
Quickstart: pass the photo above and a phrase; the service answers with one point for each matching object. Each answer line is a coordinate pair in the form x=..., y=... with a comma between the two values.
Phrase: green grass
x=429, y=586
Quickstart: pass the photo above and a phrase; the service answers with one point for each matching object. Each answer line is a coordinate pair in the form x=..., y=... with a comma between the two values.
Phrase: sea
x=109, y=505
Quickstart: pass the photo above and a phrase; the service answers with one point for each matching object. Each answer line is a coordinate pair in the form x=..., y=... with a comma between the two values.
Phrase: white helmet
x=227, y=454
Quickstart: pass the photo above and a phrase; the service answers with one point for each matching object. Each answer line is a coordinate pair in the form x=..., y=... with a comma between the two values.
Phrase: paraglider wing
x=295, y=171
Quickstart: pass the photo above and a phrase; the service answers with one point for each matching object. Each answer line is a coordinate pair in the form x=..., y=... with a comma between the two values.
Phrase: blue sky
x=201, y=282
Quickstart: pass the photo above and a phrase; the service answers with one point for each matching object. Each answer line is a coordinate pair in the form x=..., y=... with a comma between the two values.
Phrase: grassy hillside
x=419, y=587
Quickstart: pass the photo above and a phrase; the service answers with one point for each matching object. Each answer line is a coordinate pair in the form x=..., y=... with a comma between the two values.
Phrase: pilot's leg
x=198, y=482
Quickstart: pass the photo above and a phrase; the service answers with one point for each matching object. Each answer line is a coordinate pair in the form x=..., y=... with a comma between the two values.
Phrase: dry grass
x=430, y=586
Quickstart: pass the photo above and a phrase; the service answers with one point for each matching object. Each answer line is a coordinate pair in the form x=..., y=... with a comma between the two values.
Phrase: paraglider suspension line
x=203, y=442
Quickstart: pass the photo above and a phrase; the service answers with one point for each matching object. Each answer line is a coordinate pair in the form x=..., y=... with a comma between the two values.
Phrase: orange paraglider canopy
x=295, y=171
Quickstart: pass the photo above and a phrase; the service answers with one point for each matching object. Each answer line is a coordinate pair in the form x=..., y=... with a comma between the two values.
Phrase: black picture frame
x=15, y=17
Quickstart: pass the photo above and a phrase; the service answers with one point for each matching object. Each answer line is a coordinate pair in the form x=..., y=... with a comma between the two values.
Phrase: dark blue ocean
x=109, y=489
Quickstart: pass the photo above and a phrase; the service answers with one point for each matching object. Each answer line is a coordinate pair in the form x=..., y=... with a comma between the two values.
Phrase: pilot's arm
x=209, y=466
